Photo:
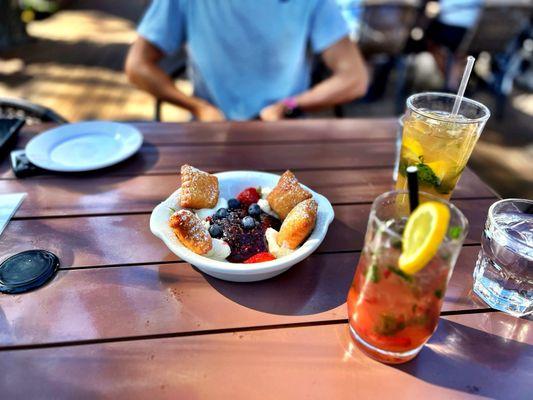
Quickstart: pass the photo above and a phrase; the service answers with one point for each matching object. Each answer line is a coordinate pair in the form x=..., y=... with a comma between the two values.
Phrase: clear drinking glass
x=399, y=130
x=437, y=143
x=393, y=314
x=503, y=276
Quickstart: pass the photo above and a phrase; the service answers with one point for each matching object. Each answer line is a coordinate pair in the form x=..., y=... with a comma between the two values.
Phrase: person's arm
x=349, y=80
x=143, y=70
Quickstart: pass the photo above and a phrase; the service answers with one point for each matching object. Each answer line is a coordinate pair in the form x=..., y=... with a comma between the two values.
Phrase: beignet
x=198, y=188
x=287, y=194
x=191, y=231
x=298, y=224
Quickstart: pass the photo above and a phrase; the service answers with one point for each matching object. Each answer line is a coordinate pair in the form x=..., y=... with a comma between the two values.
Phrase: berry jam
x=244, y=242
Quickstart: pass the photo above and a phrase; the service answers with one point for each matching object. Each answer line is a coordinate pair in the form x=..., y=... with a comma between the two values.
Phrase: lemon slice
x=412, y=150
x=423, y=234
x=441, y=169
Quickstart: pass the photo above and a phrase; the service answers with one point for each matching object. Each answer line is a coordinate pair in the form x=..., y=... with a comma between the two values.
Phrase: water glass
x=503, y=276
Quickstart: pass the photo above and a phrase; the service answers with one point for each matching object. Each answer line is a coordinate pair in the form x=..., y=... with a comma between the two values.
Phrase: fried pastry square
x=298, y=225
x=287, y=194
x=191, y=231
x=198, y=188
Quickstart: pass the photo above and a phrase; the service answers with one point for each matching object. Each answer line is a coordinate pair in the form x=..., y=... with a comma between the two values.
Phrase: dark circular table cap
x=27, y=271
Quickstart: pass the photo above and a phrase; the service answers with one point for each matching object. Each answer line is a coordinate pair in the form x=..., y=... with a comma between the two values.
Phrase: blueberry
x=215, y=231
x=234, y=204
x=248, y=222
x=222, y=213
x=254, y=210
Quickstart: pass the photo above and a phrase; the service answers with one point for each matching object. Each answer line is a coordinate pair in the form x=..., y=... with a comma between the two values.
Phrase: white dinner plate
x=230, y=184
x=84, y=146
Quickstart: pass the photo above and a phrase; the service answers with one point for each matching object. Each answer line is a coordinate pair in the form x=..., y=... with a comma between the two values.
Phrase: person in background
x=446, y=33
x=246, y=58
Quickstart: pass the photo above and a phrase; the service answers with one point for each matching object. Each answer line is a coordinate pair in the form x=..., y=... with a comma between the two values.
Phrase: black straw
x=412, y=184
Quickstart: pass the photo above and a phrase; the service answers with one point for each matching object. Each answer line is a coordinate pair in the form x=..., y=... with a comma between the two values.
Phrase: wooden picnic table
x=125, y=318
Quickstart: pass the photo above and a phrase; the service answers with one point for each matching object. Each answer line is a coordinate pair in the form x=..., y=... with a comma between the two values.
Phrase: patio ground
x=74, y=65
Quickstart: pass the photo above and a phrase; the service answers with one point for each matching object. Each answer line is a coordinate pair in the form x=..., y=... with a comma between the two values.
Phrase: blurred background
x=69, y=55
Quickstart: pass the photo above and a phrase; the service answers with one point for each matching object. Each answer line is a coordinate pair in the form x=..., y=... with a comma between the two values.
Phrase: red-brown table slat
x=363, y=129
x=268, y=156
x=125, y=239
x=470, y=356
x=78, y=196
x=91, y=304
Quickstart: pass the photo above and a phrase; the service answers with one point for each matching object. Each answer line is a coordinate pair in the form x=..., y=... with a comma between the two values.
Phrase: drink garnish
x=412, y=149
x=373, y=273
x=427, y=176
x=389, y=325
x=424, y=232
x=455, y=232
x=400, y=273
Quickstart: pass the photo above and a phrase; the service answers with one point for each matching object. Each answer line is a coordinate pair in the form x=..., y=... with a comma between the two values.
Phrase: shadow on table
x=317, y=284
x=476, y=362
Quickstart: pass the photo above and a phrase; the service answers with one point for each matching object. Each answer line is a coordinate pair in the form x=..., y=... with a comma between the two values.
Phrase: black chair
x=499, y=26
x=386, y=27
x=29, y=112
x=499, y=23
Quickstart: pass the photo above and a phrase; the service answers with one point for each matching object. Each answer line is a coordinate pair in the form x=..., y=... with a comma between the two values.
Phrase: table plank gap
x=254, y=328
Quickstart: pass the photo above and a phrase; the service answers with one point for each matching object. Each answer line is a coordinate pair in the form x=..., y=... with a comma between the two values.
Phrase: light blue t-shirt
x=462, y=13
x=245, y=54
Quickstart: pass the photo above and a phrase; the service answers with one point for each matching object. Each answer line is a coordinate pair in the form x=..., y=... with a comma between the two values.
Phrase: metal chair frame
x=29, y=112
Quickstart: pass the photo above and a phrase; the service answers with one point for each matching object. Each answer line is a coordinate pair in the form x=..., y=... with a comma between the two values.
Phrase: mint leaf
x=396, y=243
x=401, y=274
x=418, y=320
x=438, y=293
x=455, y=232
x=389, y=325
x=427, y=176
x=372, y=274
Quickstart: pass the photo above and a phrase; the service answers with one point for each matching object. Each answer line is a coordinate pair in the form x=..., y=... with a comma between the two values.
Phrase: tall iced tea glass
x=393, y=314
x=438, y=144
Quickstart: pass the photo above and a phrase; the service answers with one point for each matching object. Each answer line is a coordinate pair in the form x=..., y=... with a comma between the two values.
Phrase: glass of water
x=503, y=276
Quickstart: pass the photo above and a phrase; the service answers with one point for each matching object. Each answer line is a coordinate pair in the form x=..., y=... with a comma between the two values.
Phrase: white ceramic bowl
x=231, y=183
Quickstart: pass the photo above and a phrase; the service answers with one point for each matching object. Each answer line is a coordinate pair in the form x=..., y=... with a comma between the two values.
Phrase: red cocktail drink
x=392, y=313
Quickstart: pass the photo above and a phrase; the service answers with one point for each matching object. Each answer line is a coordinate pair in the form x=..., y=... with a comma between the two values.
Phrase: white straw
x=462, y=87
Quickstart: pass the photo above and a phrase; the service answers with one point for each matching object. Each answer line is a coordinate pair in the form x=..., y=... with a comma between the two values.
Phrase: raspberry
x=248, y=196
x=260, y=257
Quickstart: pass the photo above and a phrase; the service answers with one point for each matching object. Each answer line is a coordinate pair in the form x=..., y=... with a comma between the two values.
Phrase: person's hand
x=273, y=112
x=208, y=113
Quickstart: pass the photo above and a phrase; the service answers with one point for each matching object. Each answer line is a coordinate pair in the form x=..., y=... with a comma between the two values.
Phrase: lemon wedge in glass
x=424, y=232
x=412, y=150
